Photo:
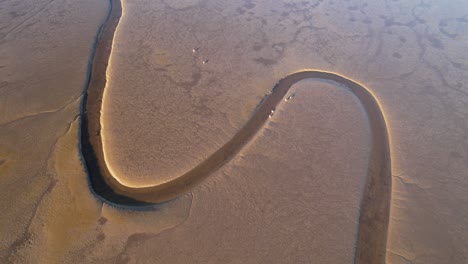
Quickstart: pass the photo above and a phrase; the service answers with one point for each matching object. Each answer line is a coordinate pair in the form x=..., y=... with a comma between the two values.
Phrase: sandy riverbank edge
x=375, y=204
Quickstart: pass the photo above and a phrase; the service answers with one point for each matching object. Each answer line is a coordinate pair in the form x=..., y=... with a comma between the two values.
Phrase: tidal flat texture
x=183, y=77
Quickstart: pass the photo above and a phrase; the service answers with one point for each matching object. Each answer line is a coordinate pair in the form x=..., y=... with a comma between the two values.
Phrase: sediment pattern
x=375, y=205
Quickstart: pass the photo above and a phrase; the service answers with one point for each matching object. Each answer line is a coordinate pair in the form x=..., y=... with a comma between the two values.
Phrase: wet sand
x=44, y=53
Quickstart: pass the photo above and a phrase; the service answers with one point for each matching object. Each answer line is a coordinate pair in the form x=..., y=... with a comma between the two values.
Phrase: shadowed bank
x=375, y=203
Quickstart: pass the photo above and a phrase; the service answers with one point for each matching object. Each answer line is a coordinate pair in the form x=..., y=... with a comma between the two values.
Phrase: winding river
x=375, y=203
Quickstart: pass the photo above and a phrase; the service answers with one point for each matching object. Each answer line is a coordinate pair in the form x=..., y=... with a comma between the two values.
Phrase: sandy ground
x=288, y=209
x=410, y=53
x=44, y=52
x=293, y=195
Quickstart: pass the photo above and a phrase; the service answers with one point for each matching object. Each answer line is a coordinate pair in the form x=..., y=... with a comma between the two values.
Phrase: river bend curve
x=375, y=203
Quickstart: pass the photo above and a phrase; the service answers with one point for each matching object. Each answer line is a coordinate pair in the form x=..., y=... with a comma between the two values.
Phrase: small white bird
x=195, y=49
x=205, y=61
x=290, y=97
x=272, y=112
